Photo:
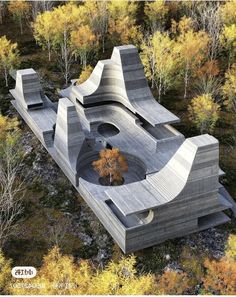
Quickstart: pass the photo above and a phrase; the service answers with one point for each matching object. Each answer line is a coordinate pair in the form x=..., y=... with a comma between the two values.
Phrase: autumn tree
x=204, y=112
x=207, y=78
x=66, y=19
x=229, y=88
x=19, y=10
x=208, y=17
x=191, y=47
x=121, y=279
x=97, y=18
x=85, y=74
x=159, y=61
x=44, y=31
x=5, y=272
x=60, y=274
x=112, y=164
x=228, y=42
x=122, y=22
x=83, y=42
x=228, y=12
x=220, y=278
x=11, y=178
x=231, y=247
x=8, y=56
x=172, y=283
x=155, y=13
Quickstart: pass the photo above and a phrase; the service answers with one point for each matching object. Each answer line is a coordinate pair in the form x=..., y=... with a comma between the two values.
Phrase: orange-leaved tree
x=112, y=164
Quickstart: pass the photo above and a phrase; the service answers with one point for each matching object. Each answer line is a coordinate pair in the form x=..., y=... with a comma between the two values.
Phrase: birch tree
x=192, y=48
x=8, y=56
x=97, y=18
x=83, y=43
x=44, y=31
x=19, y=10
x=159, y=61
x=155, y=13
x=11, y=178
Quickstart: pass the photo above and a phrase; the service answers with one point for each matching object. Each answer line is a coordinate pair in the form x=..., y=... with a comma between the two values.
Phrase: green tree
x=231, y=247
x=204, y=112
x=229, y=88
x=159, y=61
x=8, y=56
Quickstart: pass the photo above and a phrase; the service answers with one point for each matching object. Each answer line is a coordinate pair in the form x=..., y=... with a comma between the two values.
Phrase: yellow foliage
x=221, y=277
x=228, y=12
x=7, y=125
x=122, y=8
x=83, y=41
x=228, y=41
x=18, y=8
x=5, y=272
x=122, y=27
x=159, y=61
x=85, y=74
x=156, y=13
x=231, y=247
x=172, y=283
x=112, y=164
x=204, y=112
x=120, y=279
x=61, y=275
x=229, y=88
x=8, y=56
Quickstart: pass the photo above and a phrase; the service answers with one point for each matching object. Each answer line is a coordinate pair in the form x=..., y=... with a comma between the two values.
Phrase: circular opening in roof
x=108, y=130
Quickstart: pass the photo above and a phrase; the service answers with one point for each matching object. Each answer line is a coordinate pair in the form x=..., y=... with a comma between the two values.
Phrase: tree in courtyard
x=11, y=178
x=83, y=42
x=112, y=164
x=229, y=88
x=8, y=56
x=19, y=10
x=204, y=112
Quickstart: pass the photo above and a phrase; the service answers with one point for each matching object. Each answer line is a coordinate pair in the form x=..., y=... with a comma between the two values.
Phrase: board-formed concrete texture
x=172, y=186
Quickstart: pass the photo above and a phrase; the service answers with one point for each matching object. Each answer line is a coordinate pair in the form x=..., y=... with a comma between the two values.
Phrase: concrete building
x=172, y=186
